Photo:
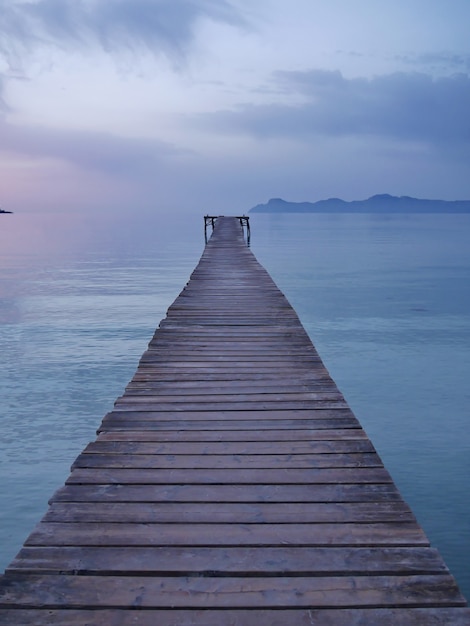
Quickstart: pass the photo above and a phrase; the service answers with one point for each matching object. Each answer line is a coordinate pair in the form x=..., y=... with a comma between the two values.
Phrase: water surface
x=386, y=301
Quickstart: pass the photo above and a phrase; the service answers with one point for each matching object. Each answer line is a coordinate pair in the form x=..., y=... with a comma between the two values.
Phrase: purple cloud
x=3, y=105
x=96, y=151
x=404, y=106
x=156, y=25
x=438, y=61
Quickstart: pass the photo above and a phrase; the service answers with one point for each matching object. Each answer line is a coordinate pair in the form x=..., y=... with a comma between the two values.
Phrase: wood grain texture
x=230, y=484
x=237, y=617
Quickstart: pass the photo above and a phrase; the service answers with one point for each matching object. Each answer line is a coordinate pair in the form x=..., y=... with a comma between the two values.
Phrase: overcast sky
x=218, y=105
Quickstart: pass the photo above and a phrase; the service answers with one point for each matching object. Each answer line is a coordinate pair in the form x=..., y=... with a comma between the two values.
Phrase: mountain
x=380, y=203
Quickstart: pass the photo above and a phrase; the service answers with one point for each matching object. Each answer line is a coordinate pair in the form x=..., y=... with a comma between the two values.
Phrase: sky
x=215, y=106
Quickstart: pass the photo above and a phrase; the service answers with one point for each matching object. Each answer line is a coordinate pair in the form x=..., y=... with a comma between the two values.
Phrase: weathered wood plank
x=263, y=395
x=148, y=425
x=106, y=492
x=237, y=560
x=210, y=413
x=216, y=534
x=226, y=461
x=309, y=446
x=237, y=617
x=205, y=592
x=128, y=425
x=249, y=513
x=230, y=477
x=147, y=404
x=193, y=389
x=189, y=431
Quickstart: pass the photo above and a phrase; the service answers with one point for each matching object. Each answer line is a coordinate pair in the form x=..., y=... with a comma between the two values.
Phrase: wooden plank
x=234, y=349
x=253, y=416
x=212, y=397
x=245, y=513
x=309, y=446
x=221, y=388
x=232, y=534
x=239, y=561
x=226, y=461
x=242, y=358
x=128, y=425
x=254, y=592
x=154, y=420
x=239, y=376
x=264, y=401
x=238, y=617
x=230, y=477
x=147, y=404
x=205, y=433
x=106, y=492
x=270, y=367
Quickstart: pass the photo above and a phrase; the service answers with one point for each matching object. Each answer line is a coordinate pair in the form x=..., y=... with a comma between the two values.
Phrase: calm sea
x=386, y=301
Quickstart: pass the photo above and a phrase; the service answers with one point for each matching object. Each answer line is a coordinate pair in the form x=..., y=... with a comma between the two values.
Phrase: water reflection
x=386, y=301
x=79, y=300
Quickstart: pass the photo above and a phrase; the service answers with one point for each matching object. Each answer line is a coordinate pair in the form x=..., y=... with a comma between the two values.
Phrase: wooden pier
x=231, y=485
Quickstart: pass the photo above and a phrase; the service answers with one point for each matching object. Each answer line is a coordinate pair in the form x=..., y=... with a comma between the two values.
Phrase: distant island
x=2, y=211
x=381, y=203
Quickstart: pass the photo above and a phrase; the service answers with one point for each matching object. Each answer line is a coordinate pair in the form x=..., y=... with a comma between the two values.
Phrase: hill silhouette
x=380, y=203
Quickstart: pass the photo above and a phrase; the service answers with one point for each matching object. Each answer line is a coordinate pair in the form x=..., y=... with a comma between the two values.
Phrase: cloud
x=155, y=25
x=438, y=61
x=92, y=151
x=2, y=101
x=403, y=106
